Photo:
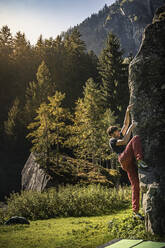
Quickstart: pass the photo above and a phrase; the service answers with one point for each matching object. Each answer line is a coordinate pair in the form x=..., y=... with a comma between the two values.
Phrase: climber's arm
x=126, y=138
x=126, y=120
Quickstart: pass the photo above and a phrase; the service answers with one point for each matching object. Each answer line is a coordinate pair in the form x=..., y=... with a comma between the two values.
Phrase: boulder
x=147, y=93
x=69, y=171
x=17, y=220
x=34, y=178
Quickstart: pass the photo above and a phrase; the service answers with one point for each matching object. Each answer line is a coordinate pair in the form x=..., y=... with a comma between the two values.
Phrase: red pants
x=127, y=160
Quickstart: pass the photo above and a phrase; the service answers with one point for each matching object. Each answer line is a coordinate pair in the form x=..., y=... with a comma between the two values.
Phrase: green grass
x=73, y=232
x=58, y=222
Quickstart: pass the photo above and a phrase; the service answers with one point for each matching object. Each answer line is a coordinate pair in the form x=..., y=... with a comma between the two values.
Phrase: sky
x=46, y=17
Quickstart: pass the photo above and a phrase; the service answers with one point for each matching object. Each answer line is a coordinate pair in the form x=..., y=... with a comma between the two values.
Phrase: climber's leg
x=133, y=150
x=127, y=157
x=134, y=180
x=134, y=146
x=129, y=165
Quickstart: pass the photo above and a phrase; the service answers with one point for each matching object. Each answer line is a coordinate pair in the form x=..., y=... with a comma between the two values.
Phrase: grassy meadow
x=72, y=217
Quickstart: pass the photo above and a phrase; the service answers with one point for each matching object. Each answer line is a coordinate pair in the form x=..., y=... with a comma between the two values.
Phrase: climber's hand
x=129, y=107
x=134, y=124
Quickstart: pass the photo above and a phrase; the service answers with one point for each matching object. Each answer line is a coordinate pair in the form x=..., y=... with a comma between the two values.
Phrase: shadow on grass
x=11, y=228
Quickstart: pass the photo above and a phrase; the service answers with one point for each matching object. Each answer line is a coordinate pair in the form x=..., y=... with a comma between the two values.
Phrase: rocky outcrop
x=70, y=171
x=147, y=92
x=34, y=178
x=125, y=18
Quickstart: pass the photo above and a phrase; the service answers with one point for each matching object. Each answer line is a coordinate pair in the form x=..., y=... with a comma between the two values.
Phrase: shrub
x=2, y=216
x=127, y=227
x=67, y=201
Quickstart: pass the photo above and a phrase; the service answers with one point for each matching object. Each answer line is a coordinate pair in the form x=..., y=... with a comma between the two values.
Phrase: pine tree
x=15, y=130
x=38, y=92
x=49, y=130
x=21, y=46
x=113, y=74
x=79, y=66
x=24, y=64
x=40, y=48
x=108, y=118
x=7, y=95
x=11, y=124
x=6, y=42
x=91, y=121
x=74, y=43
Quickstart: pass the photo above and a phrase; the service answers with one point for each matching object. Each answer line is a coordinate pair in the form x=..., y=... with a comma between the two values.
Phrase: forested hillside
x=57, y=99
x=125, y=18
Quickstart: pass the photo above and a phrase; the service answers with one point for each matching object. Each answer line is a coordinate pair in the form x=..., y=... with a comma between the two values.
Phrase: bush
x=67, y=201
x=2, y=216
x=127, y=227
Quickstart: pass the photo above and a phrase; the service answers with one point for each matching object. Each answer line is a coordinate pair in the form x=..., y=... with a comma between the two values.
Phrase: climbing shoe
x=142, y=164
x=138, y=216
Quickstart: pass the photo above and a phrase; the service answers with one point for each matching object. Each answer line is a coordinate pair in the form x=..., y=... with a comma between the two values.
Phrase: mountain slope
x=125, y=18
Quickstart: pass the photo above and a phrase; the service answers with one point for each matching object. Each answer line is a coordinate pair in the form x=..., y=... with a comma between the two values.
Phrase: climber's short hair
x=111, y=130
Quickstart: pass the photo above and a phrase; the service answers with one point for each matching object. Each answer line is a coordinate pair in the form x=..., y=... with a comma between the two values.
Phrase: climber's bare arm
x=126, y=120
x=127, y=136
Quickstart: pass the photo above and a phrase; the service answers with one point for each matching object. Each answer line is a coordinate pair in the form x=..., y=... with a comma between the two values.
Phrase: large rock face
x=147, y=92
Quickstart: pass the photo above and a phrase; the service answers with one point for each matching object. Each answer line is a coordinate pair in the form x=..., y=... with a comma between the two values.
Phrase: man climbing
x=128, y=153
